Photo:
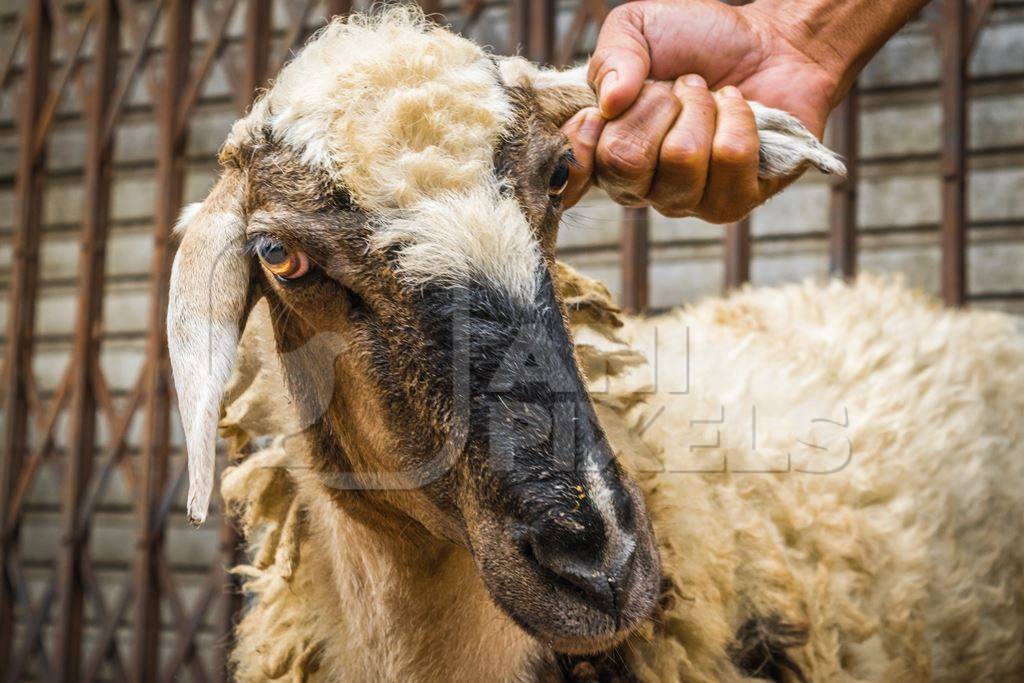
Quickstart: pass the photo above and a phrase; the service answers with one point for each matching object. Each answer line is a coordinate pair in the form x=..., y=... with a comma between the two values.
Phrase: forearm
x=840, y=35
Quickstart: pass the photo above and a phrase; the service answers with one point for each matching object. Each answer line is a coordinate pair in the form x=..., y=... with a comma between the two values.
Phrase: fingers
x=679, y=147
x=621, y=60
x=627, y=152
x=732, y=188
x=679, y=182
x=583, y=131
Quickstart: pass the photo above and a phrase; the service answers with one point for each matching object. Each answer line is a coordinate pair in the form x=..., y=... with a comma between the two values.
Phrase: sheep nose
x=579, y=554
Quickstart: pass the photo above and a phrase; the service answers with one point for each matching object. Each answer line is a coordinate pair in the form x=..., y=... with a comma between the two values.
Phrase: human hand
x=684, y=143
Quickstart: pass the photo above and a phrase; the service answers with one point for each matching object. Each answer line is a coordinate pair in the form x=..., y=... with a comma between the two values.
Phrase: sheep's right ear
x=786, y=145
x=209, y=301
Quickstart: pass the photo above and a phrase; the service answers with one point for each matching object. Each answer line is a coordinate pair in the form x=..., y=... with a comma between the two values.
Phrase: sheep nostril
x=585, y=563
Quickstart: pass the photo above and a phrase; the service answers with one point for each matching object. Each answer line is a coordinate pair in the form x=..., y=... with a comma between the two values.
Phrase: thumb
x=621, y=60
x=583, y=131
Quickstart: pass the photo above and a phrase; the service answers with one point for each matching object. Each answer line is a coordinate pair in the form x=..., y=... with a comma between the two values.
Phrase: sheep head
x=395, y=198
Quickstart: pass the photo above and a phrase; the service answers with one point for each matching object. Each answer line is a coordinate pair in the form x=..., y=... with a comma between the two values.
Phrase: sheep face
x=395, y=198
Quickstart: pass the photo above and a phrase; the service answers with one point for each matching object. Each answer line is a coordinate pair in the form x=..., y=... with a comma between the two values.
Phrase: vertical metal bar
x=430, y=6
x=736, y=247
x=92, y=257
x=156, y=449
x=541, y=42
x=232, y=556
x=518, y=21
x=954, y=166
x=635, y=257
x=842, y=247
x=338, y=8
x=256, y=50
x=28, y=196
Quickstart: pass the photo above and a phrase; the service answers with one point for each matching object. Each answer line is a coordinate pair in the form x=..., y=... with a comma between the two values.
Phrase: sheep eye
x=282, y=263
x=559, y=178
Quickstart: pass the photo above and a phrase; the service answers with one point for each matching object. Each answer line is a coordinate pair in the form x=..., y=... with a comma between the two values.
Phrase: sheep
x=810, y=483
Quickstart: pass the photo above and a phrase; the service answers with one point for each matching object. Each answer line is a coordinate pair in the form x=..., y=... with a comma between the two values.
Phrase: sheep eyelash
x=570, y=156
x=256, y=241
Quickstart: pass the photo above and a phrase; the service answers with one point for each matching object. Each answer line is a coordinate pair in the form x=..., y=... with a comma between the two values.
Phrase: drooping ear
x=560, y=93
x=786, y=145
x=209, y=301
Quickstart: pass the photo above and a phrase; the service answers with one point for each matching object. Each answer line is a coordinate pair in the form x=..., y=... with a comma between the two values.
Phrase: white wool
x=395, y=109
x=904, y=565
x=405, y=116
x=477, y=233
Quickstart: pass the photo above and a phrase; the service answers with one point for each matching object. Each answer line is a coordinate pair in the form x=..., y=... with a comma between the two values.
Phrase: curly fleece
x=874, y=518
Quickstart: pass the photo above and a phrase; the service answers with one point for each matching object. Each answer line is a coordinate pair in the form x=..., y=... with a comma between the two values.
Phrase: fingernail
x=730, y=91
x=608, y=82
x=695, y=80
x=590, y=129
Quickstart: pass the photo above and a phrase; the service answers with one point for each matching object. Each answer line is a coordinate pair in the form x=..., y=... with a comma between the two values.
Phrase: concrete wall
x=899, y=211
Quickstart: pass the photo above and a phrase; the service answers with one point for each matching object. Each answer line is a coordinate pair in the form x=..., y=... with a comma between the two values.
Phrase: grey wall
x=899, y=213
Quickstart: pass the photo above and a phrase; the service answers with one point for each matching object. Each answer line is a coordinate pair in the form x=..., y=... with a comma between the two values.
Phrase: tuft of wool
x=832, y=471
x=393, y=108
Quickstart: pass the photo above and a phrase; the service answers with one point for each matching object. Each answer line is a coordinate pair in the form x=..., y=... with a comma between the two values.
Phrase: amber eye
x=284, y=264
x=559, y=178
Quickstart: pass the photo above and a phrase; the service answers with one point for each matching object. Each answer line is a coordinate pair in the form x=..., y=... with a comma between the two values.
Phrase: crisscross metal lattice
x=116, y=59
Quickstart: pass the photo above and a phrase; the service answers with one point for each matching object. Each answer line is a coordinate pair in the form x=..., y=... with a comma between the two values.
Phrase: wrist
x=794, y=31
x=839, y=36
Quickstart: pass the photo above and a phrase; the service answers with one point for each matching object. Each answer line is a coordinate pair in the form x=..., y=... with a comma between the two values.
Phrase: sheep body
x=901, y=563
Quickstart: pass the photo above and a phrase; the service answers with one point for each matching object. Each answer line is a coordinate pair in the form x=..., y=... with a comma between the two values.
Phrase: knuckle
x=626, y=157
x=661, y=92
x=699, y=100
x=735, y=149
x=684, y=152
x=626, y=13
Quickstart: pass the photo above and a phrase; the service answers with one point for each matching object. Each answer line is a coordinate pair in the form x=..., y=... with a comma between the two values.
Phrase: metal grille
x=111, y=60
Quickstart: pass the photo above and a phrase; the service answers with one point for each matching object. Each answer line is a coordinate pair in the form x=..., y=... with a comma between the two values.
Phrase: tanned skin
x=674, y=129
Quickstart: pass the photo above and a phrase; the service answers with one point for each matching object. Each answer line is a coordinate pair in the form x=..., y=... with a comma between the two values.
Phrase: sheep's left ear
x=560, y=93
x=209, y=300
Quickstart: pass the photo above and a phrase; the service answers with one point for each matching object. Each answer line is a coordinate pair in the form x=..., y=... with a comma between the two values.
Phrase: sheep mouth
x=572, y=623
x=563, y=611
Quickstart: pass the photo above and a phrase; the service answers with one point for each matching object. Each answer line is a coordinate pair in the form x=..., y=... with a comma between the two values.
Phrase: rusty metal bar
x=842, y=244
x=338, y=8
x=953, y=46
x=635, y=257
x=518, y=23
x=156, y=450
x=430, y=7
x=22, y=300
x=214, y=49
x=736, y=252
x=256, y=50
x=82, y=426
x=138, y=60
x=541, y=41
x=978, y=13
x=71, y=71
x=7, y=65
